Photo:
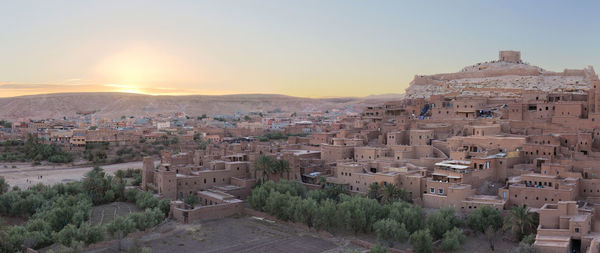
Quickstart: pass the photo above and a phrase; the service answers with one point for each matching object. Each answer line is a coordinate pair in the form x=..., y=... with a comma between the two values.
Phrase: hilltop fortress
x=507, y=76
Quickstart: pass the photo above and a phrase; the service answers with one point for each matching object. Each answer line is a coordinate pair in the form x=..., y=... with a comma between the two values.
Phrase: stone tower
x=510, y=56
x=147, y=172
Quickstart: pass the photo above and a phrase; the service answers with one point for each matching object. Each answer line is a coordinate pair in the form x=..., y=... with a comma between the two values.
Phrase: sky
x=308, y=48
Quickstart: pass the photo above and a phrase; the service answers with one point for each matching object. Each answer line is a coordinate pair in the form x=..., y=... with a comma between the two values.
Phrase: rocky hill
x=507, y=76
x=117, y=104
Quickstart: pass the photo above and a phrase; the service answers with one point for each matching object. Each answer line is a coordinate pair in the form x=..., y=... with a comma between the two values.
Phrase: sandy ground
x=25, y=175
x=242, y=234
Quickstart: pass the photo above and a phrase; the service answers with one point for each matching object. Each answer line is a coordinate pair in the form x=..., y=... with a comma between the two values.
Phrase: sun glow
x=125, y=88
x=140, y=69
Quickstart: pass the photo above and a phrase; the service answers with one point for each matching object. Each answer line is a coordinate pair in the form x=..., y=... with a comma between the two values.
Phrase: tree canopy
x=60, y=213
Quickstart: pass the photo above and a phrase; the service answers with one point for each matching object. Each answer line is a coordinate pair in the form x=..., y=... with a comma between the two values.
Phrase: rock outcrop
x=507, y=76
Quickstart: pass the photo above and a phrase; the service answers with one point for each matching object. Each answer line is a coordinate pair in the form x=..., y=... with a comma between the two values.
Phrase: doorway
x=575, y=246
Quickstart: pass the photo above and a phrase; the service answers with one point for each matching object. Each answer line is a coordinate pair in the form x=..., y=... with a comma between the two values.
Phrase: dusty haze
x=118, y=104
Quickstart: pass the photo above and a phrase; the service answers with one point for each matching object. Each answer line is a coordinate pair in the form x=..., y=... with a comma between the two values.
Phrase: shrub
x=452, y=240
x=390, y=231
x=484, y=217
x=421, y=241
x=378, y=249
x=441, y=221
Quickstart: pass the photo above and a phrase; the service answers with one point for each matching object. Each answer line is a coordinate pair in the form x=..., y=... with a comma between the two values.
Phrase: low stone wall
x=311, y=186
x=208, y=212
x=368, y=245
x=553, y=232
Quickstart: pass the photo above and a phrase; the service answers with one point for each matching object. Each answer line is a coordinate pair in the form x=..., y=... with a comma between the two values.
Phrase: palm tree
x=97, y=170
x=282, y=166
x=374, y=189
x=264, y=164
x=322, y=181
x=388, y=193
x=520, y=221
x=120, y=174
x=391, y=193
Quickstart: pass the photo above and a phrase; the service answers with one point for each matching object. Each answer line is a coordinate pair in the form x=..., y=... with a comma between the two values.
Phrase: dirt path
x=23, y=177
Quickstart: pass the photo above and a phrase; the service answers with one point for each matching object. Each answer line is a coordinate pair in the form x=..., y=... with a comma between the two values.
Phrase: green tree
x=335, y=191
x=491, y=235
x=391, y=193
x=390, y=231
x=258, y=198
x=520, y=221
x=147, y=219
x=359, y=213
x=120, y=226
x=264, y=164
x=323, y=181
x=452, y=240
x=305, y=211
x=191, y=200
x=378, y=249
x=95, y=185
x=3, y=186
x=279, y=205
x=484, y=217
x=120, y=174
x=441, y=221
x=324, y=215
x=413, y=217
x=421, y=241
x=529, y=239
x=374, y=191
x=282, y=166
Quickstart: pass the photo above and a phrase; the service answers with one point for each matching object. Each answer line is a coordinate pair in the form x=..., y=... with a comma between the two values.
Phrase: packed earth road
x=24, y=175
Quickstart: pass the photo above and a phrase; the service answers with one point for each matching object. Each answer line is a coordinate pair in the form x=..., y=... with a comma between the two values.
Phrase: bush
x=146, y=200
x=358, y=213
x=390, y=231
x=452, y=240
x=147, y=219
x=120, y=226
x=378, y=249
x=60, y=213
x=71, y=235
x=412, y=216
x=484, y=217
x=525, y=248
x=191, y=200
x=324, y=215
x=330, y=208
x=441, y=221
x=421, y=241
x=279, y=204
x=528, y=239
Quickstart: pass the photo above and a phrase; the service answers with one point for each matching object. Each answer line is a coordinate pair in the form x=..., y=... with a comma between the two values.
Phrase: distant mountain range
x=112, y=105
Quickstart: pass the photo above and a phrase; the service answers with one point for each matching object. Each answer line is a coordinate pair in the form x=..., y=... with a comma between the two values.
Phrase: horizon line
x=205, y=95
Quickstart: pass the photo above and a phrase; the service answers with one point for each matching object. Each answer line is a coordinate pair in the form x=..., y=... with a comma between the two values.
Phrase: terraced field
x=106, y=213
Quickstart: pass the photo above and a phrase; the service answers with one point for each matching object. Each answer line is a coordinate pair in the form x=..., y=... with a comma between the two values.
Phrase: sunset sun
x=140, y=69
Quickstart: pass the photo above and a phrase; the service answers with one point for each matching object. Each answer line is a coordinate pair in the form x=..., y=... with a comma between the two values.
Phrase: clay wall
x=574, y=110
x=165, y=182
x=537, y=197
x=331, y=153
x=420, y=137
x=369, y=153
x=207, y=212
